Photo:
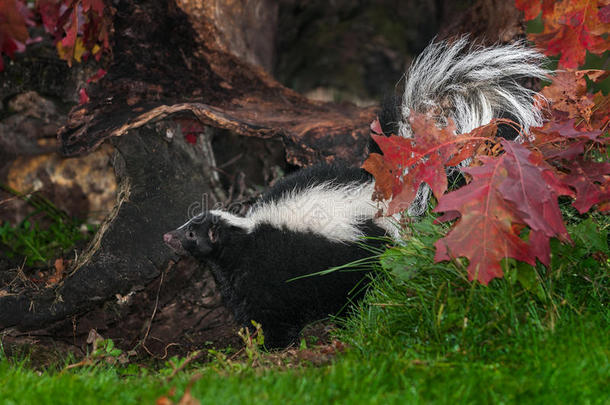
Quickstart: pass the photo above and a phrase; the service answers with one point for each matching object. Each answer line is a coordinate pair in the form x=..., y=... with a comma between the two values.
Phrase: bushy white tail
x=472, y=84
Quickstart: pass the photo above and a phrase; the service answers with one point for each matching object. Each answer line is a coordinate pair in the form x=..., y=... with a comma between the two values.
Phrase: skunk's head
x=200, y=237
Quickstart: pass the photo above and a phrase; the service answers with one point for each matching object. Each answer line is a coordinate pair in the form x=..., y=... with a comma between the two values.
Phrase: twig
x=6, y=200
x=190, y=357
x=85, y=362
x=152, y=317
x=230, y=161
x=165, y=351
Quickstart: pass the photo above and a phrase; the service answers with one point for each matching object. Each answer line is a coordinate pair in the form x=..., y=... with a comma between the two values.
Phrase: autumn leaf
x=191, y=138
x=58, y=275
x=571, y=28
x=71, y=53
x=590, y=180
x=406, y=163
x=484, y=233
x=533, y=188
x=569, y=98
x=13, y=29
x=12, y=22
x=566, y=130
x=67, y=47
x=95, y=5
x=80, y=27
x=383, y=173
x=560, y=141
x=49, y=11
x=532, y=8
x=97, y=76
x=564, y=146
x=83, y=97
x=506, y=193
x=601, y=112
x=190, y=129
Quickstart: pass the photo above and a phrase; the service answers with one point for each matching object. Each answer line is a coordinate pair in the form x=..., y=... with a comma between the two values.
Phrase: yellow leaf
x=68, y=54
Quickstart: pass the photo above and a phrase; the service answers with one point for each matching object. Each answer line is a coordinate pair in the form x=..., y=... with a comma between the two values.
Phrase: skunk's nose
x=172, y=240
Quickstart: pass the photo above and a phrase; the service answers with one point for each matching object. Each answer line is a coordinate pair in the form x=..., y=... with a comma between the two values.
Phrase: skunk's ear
x=213, y=234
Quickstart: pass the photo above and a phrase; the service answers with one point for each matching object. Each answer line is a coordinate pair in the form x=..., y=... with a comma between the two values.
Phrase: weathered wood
x=159, y=179
x=151, y=79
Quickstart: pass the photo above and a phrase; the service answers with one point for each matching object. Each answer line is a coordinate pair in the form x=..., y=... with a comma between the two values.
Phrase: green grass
x=44, y=234
x=567, y=366
x=424, y=334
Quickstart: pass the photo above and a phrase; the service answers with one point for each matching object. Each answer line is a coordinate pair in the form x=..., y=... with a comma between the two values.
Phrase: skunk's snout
x=172, y=240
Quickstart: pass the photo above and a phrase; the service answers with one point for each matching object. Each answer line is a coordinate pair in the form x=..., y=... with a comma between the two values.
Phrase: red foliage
x=14, y=16
x=571, y=100
x=590, y=180
x=408, y=162
x=506, y=193
x=97, y=76
x=78, y=27
x=532, y=8
x=83, y=97
x=564, y=148
x=571, y=27
x=509, y=208
x=190, y=128
x=191, y=138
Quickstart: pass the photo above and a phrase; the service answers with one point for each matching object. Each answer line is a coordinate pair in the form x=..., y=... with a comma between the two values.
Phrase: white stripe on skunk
x=331, y=210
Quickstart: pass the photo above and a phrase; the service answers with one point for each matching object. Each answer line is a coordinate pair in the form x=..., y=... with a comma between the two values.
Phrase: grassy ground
x=423, y=335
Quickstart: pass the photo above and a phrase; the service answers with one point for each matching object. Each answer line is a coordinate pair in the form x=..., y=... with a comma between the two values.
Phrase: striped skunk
x=316, y=218
x=308, y=222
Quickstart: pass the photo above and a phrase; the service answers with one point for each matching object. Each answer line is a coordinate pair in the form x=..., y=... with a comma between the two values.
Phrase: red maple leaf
x=383, y=172
x=484, y=233
x=14, y=16
x=190, y=129
x=572, y=28
x=97, y=76
x=191, y=138
x=560, y=141
x=533, y=188
x=564, y=146
x=532, y=8
x=49, y=11
x=569, y=98
x=96, y=6
x=408, y=162
x=506, y=193
x=590, y=180
x=83, y=97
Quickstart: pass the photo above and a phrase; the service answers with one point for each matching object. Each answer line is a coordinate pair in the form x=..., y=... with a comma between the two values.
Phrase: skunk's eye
x=190, y=235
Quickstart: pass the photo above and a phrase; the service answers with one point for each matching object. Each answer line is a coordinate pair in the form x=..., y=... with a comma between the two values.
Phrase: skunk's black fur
x=315, y=219
x=253, y=268
x=321, y=173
